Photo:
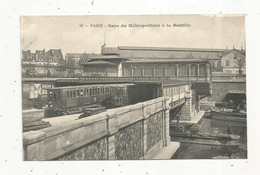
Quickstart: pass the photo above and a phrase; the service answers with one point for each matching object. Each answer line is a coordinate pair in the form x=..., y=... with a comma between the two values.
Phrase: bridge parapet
x=137, y=131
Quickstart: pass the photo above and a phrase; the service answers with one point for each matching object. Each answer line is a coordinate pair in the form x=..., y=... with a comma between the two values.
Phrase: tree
x=240, y=64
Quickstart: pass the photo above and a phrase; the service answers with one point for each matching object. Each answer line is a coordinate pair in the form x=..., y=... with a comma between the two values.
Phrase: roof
x=169, y=49
x=165, y=52
x=82, y=55
x=74, y=87
x=99, y=62
x=108, y=57
x=76, y=54
x=168, y=61
x=95, y=85
x=234, y=50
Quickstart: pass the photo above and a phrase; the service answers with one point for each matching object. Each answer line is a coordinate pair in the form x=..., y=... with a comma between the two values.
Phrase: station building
x=165, y=61
x=134, y=62
x=142, y=53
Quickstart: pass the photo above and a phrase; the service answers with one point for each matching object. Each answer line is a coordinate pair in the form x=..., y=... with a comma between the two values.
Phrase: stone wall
x=132, y=132
x=220, y=89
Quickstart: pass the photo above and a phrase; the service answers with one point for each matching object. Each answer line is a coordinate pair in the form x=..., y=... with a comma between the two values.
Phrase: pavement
x=167, y=152
x=33, y=110
x=55, y=121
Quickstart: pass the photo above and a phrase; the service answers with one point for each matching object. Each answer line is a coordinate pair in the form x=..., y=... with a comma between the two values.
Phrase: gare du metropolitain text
x=135, y=25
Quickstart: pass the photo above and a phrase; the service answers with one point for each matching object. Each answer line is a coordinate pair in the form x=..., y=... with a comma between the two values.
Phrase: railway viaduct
x=139, y=131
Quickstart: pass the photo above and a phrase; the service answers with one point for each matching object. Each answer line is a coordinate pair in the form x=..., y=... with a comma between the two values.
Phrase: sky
x=64, y=32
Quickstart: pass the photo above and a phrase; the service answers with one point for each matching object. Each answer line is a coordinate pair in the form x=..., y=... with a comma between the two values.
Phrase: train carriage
x=64, y=100
x=74, y=99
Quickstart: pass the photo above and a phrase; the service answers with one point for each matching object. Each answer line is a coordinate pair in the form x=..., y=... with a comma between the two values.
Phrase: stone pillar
x=154, y=72
x=208, y=72
x=166, y=125
x=165, y=71
x=132, y=71
x=111, y=147
x=144, y=141
x=186, y=110
x=189, y=71
x=120, y=70
x=111, y=128
x=198, y=69
x=177, y=71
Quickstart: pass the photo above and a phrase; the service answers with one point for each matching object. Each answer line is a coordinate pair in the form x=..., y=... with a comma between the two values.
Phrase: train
x=75, y=99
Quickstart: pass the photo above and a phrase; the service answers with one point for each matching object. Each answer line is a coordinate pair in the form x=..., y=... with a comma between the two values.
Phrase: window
x=171, y=70
x=194, y=70
x=138, y=70
x=219, y=64
x=183, y=70
x=148, y=71
x=202, y=70
x=68, y=94
x=159, y=71
x=54, y=95
x=74, y=94
x=90, y=91
x=127, y=71
x=212, y=64
x=227, y=63
x=81, y=93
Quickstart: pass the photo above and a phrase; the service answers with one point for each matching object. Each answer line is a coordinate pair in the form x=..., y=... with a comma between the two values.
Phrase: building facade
x=192, y=70
x=100, y=68
x=105, y=65
x=77, y=59
x=234, y=62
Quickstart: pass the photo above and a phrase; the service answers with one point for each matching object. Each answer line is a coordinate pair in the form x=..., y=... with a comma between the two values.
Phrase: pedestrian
x=229, y=131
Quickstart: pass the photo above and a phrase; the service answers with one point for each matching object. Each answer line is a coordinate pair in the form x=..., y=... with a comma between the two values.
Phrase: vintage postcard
x=134, y=87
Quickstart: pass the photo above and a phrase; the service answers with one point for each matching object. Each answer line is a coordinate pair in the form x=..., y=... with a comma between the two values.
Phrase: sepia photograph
x=133, y=87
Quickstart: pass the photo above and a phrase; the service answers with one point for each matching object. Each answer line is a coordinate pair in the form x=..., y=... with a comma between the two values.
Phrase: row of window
x=212, y=64
x=183, y=70
x=87, y=92
x=81, y=93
